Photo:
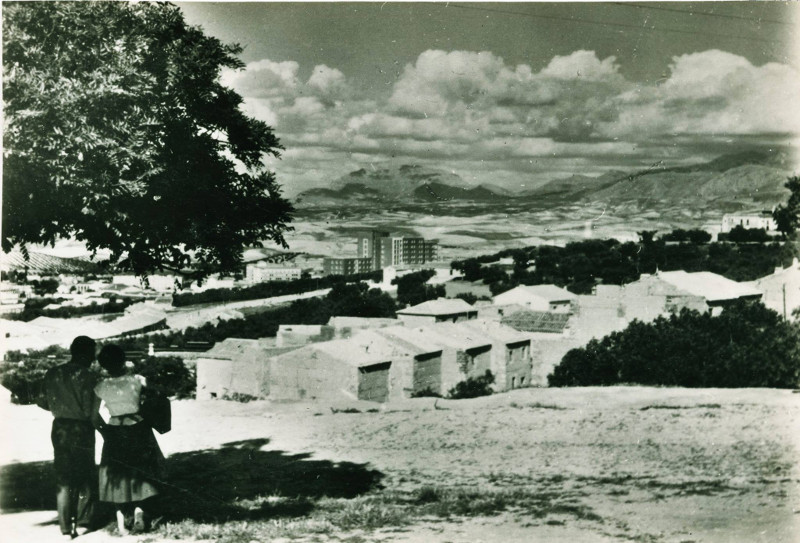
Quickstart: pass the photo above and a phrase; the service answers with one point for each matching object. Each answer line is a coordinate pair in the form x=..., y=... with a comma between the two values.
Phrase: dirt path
x=619, y=464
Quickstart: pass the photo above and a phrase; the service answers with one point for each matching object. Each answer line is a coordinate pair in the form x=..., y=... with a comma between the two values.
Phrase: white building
x=754, y=220
x=538, y=298
x=262, y=271
x=781, y=289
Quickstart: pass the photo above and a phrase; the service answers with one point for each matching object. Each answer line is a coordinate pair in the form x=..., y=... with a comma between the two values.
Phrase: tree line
x=580, y=265
x=269, y=289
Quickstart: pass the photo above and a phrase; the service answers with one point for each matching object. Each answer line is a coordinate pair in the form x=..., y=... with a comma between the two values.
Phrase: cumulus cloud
x=263, y=78
x=713, y=92
x=328, y=83
x=472, y=108
x=582, y=65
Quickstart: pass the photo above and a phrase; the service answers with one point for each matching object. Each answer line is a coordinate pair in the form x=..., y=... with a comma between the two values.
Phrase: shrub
x=240, y=397
x=748, y=345
x=473, y=387
x=169, y=376
x=426, y=393
x=22, y=373
x=740, y=234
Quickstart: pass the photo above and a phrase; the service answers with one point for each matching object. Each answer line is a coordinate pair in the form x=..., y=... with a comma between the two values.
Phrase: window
x=513, y=382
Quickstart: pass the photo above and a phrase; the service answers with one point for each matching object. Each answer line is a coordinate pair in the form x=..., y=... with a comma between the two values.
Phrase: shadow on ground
x=239, y=481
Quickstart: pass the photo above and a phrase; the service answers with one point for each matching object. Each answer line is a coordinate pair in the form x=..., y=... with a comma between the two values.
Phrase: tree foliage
x=740, y=234
x=580, y=265
x=268, y=289
x=748, y=345
x=412, y=288
x=118, y=133
x=787, y=217
x=679, y=235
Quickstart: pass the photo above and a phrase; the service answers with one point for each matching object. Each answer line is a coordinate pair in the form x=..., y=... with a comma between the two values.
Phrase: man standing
x=68, y=393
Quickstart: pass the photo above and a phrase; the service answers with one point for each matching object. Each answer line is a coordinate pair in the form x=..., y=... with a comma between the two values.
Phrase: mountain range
x=744, y=179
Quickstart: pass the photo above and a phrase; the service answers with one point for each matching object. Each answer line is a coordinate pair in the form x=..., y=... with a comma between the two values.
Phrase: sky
x=512, y=94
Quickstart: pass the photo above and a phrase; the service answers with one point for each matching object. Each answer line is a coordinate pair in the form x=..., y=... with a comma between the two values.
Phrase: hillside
x=606, y=464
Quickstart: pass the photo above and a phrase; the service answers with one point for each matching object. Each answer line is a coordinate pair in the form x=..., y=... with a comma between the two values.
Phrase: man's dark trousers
x=76, y=473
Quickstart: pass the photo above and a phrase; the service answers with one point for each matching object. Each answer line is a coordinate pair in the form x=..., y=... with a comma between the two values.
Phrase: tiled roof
x=537, y=321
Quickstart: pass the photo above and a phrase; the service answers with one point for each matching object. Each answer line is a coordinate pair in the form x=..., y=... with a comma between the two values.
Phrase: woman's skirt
x=131, y=466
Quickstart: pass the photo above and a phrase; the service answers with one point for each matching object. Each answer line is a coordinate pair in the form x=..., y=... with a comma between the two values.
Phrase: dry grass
x=384, y=509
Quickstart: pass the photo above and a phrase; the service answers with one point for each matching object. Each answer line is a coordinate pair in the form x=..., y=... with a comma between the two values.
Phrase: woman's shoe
x=121, y=524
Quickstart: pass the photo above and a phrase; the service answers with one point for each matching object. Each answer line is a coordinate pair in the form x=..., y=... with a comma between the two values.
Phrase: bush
x=22, y=373
x=748, y=345
x=740, y=234
x=240, y=397
x=473, y=387
x=168, y=376
x=34, y=308
x=426, y=393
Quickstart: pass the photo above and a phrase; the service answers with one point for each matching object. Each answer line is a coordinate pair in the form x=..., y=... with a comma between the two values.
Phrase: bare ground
x=590, y=464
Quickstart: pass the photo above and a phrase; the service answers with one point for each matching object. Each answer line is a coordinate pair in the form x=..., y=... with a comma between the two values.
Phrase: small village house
x=694, y=290
x=781, y=289
x=434, y=368
x=357, y=368
x=511, y=354
x=538, y=298
x=753, y=220
x=236, y=367
x=438, y=310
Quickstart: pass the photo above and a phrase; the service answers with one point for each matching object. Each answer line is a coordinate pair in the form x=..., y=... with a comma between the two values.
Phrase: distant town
x=460, y=329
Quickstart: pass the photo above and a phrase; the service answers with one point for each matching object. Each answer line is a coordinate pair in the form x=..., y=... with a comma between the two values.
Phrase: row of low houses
x=520, y=337
x=376, y=364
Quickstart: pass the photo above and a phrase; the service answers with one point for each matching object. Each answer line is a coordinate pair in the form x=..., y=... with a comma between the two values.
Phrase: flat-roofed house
x=694, y=290
x=428, y=371
x=236, y=366
x=510, y=354
x=438, y=310
x=357, y=368
x=781, y=289
x=538, y=298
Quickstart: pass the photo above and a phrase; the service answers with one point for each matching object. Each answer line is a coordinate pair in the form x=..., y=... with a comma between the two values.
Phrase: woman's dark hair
x=112, y=359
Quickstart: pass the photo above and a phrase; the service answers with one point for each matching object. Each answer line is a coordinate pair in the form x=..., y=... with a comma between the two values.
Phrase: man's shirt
x=68, y=392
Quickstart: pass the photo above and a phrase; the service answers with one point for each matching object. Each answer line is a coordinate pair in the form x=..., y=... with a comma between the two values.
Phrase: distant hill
x=750, y=178
x=404, y=183
x=440, y=192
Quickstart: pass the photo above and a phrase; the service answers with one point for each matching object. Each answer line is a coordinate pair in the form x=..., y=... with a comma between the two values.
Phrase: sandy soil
x=650, y=465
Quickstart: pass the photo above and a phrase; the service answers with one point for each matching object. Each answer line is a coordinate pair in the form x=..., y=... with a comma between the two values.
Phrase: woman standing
x=131, y=463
